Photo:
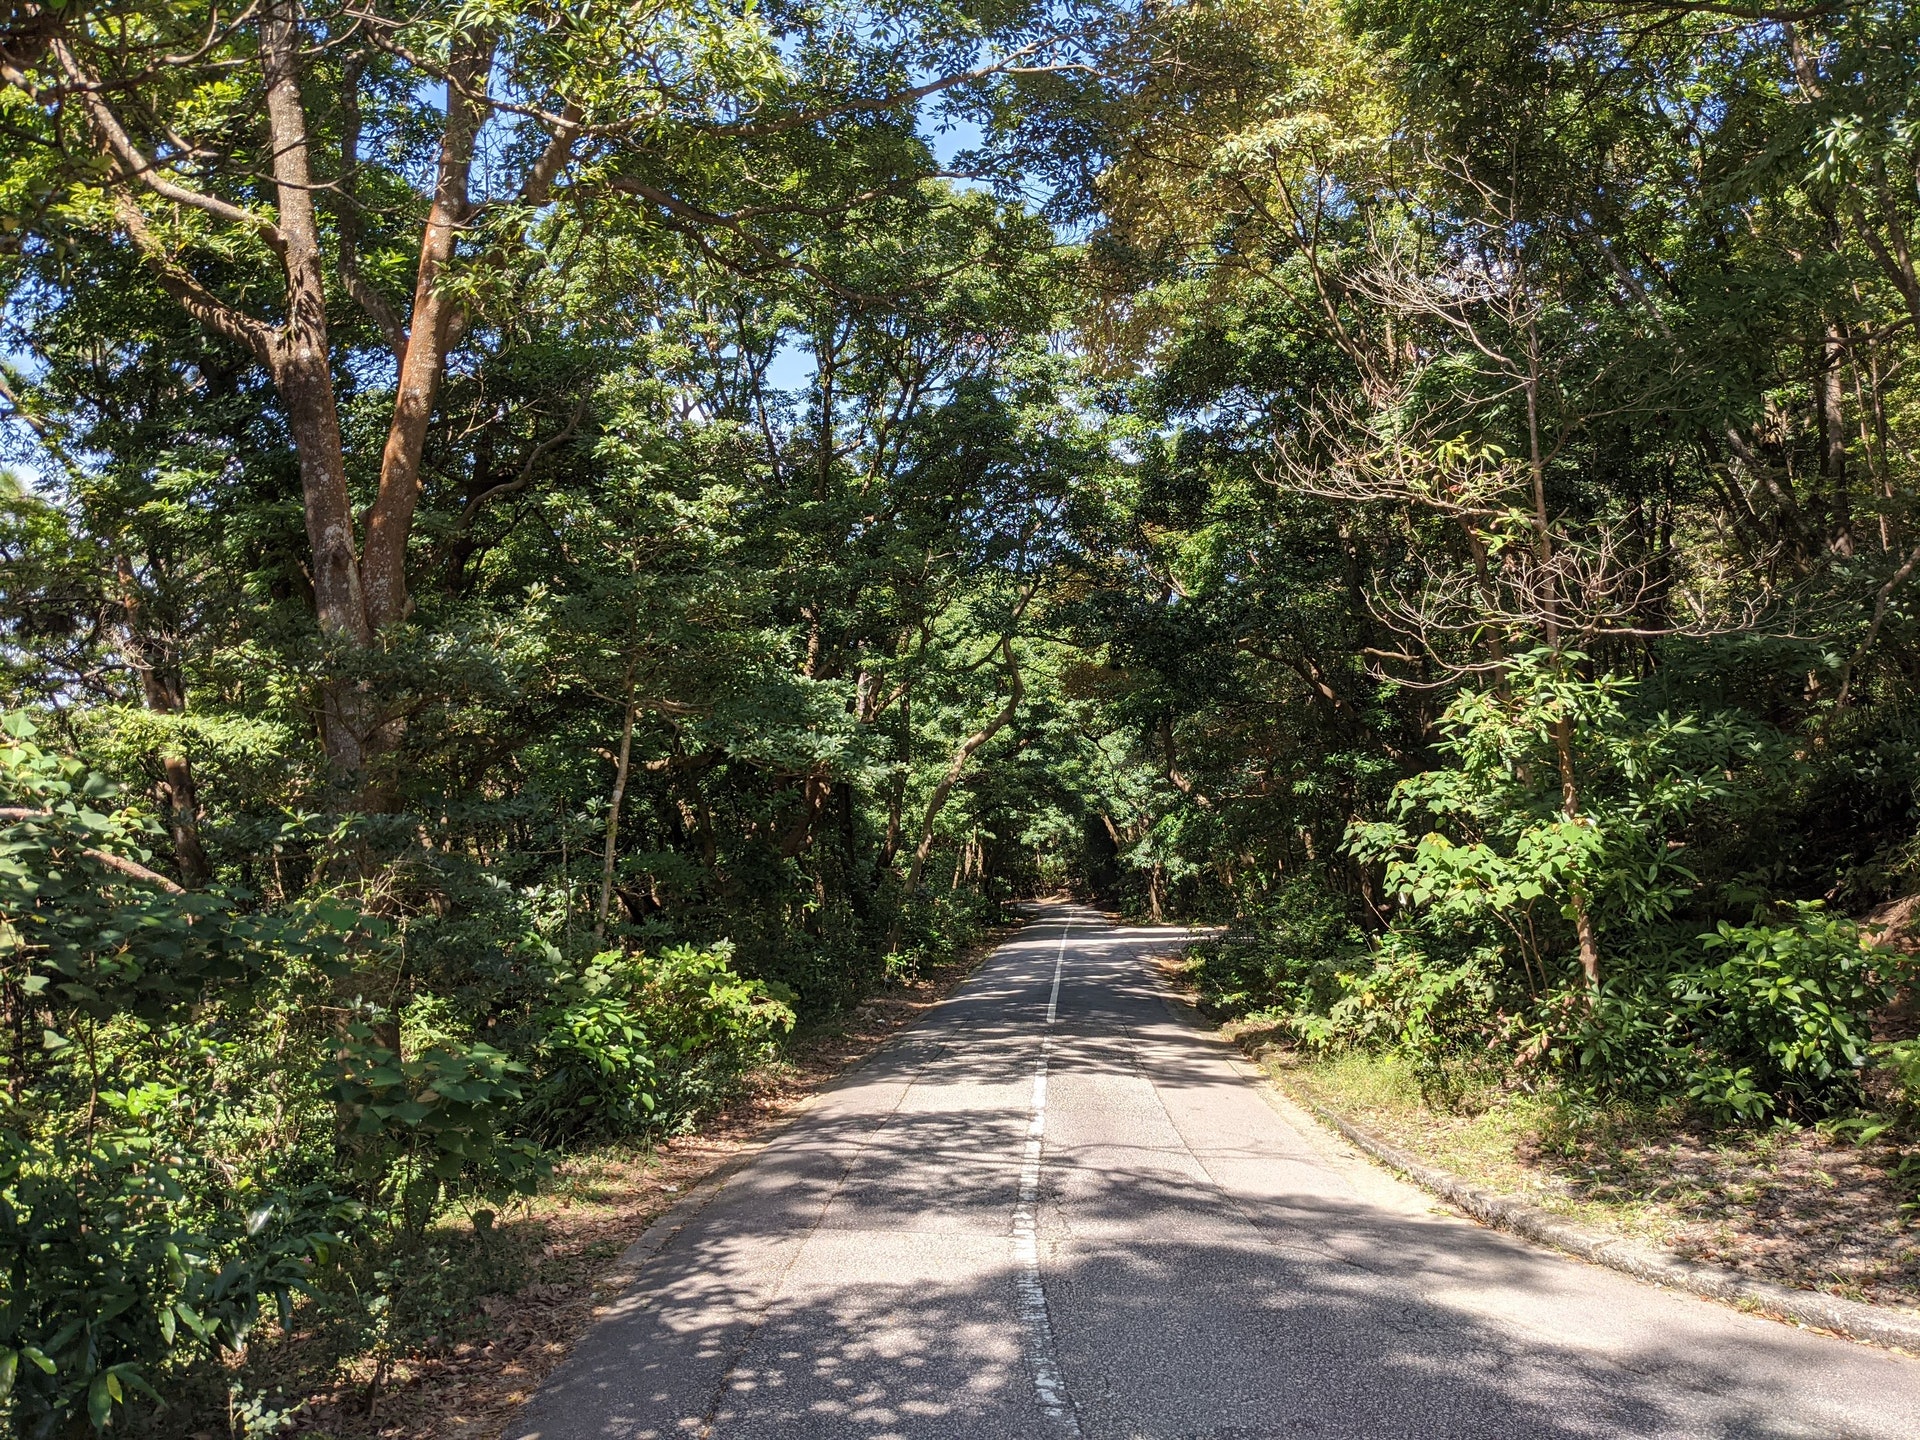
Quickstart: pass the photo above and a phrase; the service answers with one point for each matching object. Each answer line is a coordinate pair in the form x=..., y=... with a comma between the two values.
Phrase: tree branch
x=559, y=149
x=753, y=129
x=135, y=167
x=179, y=282
x=14, y=814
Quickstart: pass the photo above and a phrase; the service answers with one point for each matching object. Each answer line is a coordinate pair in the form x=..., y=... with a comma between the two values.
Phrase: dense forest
x=546, y=546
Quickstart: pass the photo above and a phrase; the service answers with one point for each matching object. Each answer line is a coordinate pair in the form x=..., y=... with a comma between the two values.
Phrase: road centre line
x=1059, y=957
x=1049, y=1392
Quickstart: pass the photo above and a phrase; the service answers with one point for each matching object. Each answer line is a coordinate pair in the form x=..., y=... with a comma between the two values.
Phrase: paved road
x=1100, y=1226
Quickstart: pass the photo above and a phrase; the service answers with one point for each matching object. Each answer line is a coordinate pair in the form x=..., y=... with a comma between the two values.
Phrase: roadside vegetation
x=549, y=550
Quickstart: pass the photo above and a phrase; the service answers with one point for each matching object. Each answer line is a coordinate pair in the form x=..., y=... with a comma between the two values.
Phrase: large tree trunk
x=437, y=320
x=356, y=593
x=301, y=359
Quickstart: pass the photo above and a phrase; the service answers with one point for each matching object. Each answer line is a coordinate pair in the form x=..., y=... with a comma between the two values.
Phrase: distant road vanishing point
x=1054, y=1208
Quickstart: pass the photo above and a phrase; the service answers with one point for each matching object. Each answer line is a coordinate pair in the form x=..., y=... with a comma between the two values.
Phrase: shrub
x=1286, y=956
x=632, y=1043
x=122, y=1264
x=1490, y=870
x=1485, y=844
x=1778, y=1016
x=1901, y=1060
x=1747, y=1022
x=431, y=1125
x=711, y=1026
x=142, y=1227
x=1414, y=1002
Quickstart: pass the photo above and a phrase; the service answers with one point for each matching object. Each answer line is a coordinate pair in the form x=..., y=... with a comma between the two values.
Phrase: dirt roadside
x=572, y=1235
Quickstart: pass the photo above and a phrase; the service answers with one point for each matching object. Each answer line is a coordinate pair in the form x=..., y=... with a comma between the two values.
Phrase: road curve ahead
x=1056, y=1209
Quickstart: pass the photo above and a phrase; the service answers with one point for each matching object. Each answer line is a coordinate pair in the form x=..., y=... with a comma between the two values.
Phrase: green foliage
x=1451, y=520
x=117, y=1270
x=1770, y=1018
x=1784, y=1012
x=1901, y=1059
x=1505, y=860
x=68, y=927
x=128, y=1252
x=1287, y=956
x=637, y=1044
x=1433, y=1009
x=1749, y=1020
x=430, y=1124
x=597, y=1062
x=710, y=1025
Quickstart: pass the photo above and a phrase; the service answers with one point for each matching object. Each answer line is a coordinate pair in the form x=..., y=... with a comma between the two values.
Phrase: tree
x=226, y=148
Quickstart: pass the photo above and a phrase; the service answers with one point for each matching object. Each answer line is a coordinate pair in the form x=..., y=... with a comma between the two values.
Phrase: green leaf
x=194, y=1323
x=130, y=1377
x=100, y=1400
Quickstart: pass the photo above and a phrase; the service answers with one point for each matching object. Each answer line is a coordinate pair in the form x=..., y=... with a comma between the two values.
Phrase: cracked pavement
x=1209, y=1268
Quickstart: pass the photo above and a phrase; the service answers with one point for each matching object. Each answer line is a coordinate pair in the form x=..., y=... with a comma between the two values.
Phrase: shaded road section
x=1006, y=1225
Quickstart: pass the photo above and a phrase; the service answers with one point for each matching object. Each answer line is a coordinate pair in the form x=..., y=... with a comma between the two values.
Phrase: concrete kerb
x=1878, y=1324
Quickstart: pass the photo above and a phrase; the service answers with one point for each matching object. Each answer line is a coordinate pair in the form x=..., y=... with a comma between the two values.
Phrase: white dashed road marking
x=1048, y=1389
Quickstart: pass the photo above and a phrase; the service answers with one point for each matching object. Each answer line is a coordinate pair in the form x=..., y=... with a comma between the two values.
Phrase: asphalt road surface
x=1055, y=1208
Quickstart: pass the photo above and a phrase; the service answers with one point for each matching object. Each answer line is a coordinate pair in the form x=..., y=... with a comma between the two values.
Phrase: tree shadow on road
x=858, y=1281
x=1320, y=1321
